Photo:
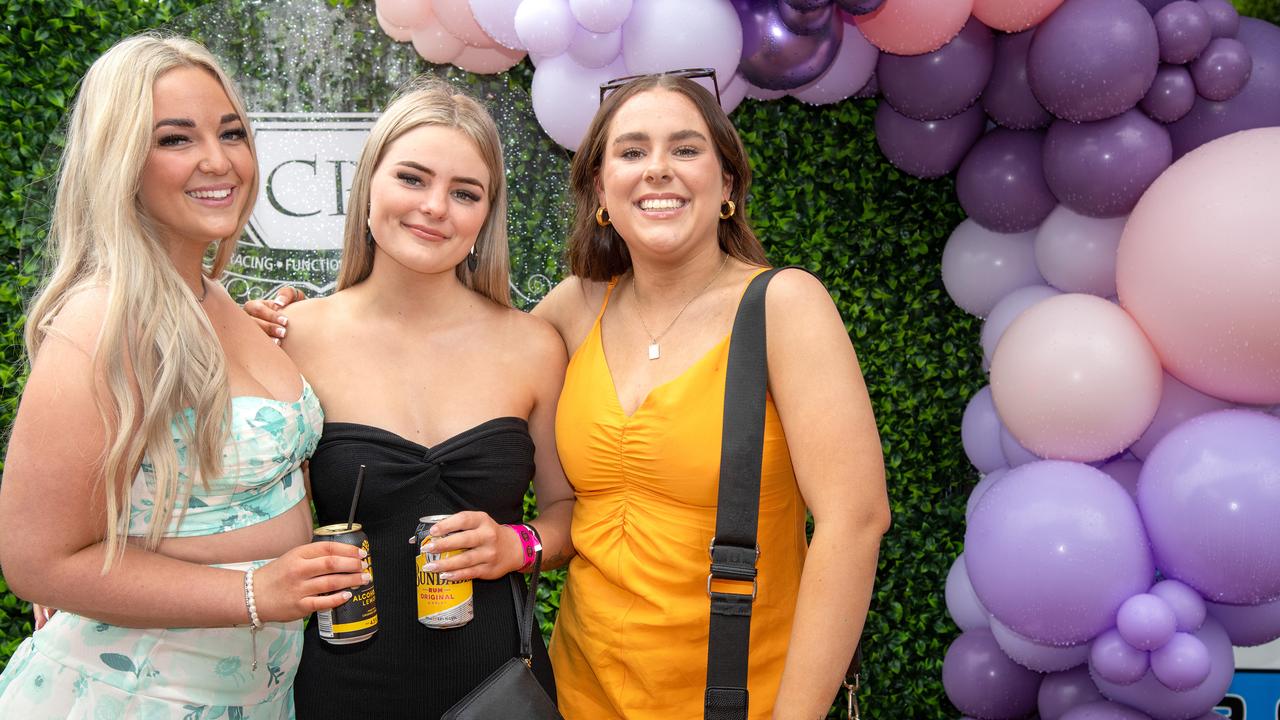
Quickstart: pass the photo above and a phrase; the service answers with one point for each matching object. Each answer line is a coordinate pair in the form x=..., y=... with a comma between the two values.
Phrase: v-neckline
x=617, y=400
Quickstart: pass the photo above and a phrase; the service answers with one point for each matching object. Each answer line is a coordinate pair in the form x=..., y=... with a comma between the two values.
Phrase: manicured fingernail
x=446, y=576
x=282, y=319
x=366, y=578
x=364, y=553
x=278, y=332
x=278, y=301
x=430, y=547
x=346, y=594
x=430, y=567
x=275, y=340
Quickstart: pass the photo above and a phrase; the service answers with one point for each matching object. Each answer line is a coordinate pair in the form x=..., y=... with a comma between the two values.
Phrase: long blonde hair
x=157, y=354
x=430, y=101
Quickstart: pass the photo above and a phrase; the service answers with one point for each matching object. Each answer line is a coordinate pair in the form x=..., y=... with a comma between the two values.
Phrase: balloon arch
x=1119, y=162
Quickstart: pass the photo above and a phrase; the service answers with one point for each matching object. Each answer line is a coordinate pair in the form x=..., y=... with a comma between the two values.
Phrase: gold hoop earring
x=726, y=214
x=602, y=217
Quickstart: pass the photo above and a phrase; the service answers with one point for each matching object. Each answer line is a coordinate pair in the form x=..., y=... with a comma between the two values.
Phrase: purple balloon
x=941, y=83
x=776, y=58
x=806, y=5
x=980, y=432
x=851, y=70
x=1054, y=548
x=1038, y=656
x=1255, y=106
x=1150, y=696
x=1172, y=94
x=859, y=7
x=1187, y=605
x=1182, y=663
x=1210, y=495
x=1004, y=313
x=927, y=148
x=1103, y=710
x=1015, y=455
x=980, y=680
x=1007, y=98
x=1093, y=59
x=1102, y=168
x=808, y=22
x=1061, y=691
x=1153, y=6
x=1116, y=661
x=1001, y=181
x=1125, y=472
x=1146, y=622
x=981, y=488
x=1248, y=625
x=870, y=90
x=963, y=604
x=1178, y=403
x=1223, y=16
x=1222, y=69
x=980, y=266
x=1184, y=29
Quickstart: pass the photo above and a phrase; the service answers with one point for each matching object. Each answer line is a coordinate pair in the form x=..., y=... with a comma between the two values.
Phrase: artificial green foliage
x=824, y=197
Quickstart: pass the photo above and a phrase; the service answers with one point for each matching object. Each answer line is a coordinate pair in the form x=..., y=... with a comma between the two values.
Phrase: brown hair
x=598, y=253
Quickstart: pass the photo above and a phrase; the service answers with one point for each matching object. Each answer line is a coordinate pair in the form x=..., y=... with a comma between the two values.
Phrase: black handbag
x=511, y=692
x=734, y=550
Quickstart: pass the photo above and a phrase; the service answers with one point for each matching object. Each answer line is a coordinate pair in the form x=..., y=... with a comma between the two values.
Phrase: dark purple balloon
x=859, y=7
x=1061, y=691
x=1001, y=181
x=806, y=5
x=1171, y=95
x=927, y=148
x=1093, y=59
x=808, y=22
x=942, y=83
x=982, y=681
x=870, y=90
x=1222, y=69
x=1223, y=15
x=1153, y=6
x=774, y=57
x=1008, y=99
x=1255, y=106
x=1100, y=169
x=1183, y=29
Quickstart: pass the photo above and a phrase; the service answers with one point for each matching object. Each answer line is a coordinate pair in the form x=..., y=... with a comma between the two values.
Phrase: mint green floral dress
x=78, y=667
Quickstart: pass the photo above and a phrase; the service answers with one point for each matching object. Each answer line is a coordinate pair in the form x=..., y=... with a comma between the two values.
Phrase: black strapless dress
x=407, y=670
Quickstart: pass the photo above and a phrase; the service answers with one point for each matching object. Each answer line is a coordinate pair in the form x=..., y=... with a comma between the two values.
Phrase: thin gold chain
x=653, y=339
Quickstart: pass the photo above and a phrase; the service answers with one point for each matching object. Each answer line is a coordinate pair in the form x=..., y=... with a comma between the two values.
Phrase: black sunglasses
x=689, y=73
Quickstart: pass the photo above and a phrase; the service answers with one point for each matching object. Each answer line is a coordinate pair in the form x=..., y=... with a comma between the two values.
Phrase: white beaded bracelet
x=251, y=605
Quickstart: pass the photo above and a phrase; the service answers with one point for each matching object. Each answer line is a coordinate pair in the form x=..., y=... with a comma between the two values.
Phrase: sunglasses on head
x=689, y=73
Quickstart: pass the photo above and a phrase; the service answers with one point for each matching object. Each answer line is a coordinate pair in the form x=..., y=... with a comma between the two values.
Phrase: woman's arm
x=53, y=515
x=835, y=450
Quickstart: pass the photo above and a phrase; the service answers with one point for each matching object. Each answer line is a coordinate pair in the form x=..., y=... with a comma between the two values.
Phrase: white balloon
x=1077, y=253
x=545, y=26
x=666, y=35
x=566, y=95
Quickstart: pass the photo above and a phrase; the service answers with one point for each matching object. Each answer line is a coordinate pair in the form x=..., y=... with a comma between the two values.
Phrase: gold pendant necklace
x=655, y=349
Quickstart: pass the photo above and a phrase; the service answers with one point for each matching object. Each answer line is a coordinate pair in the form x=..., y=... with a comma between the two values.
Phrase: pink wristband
x=529, y=544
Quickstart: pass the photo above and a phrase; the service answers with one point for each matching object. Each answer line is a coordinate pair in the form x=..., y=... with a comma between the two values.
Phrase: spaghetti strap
x=607, y=293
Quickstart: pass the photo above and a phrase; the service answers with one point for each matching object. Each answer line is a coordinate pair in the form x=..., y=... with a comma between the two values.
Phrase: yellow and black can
x=441, y=603
x=356, y=619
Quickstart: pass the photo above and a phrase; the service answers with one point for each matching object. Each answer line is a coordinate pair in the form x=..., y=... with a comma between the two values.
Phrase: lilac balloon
x=1054, y=548
x=1125, y=472
x=1004, y=313
x=1178, y=403
x=1001, y=182
x=859, y=7
x=498, y=20
x=1222, y=70
x=1015, y=455
x=1223, y=16
x=592, y=49
x=1150, y=696
x=1182, y=663
x=963, y=605
x=1038, y=656
x=758, y=93
x=807, y=22
x=941, y=83
x=664, y=35
x=1116, y=661
x=1172, y=94
x=565, y=96
x=1103, y=710
x=1146, y=622
x=733, y=93
x=1077, y=253
x=1210, y=495
x=775, y=57
x=1184, y=30
x=1153, y=6
x=927, y=148
x=1248, y=625
x=980, y=266
x=1100, y=169
x=1253, y=107
x=870, y=90
x=849, y=72
x=980, y=432
x=1187, y=605
x=1093, y=59
x=545, y=26
x=600, y=16
x=1007, y=98
x=981, y=488
x=1062, y=691
x=980, y=680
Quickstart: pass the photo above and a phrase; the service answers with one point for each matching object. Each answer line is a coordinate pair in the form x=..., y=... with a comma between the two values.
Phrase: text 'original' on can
x=356, y=619
x=441, y=603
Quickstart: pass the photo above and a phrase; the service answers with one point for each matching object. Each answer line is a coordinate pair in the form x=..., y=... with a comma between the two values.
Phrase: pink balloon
x=852, y=68
x=914, y=27
x=488, y=61
x=1013, y=15
x=1178, y=402
x=1075, y=379
x=456, y=17
x=1005, y=312
x=435, y=44
x=1197, y=267
x=498, y=20
x=404, y=13
x=393, y=31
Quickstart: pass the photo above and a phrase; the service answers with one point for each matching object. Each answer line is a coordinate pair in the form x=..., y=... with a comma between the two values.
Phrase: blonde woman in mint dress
x=153, y=470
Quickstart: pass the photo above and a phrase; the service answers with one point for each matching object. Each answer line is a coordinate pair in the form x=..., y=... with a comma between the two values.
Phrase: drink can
x=356, y=619
x=441, y=603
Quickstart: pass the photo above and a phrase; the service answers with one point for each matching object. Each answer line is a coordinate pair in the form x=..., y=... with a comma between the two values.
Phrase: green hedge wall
x=824, y=197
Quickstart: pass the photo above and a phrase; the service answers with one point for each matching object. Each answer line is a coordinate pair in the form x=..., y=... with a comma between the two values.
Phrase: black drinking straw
x=355, y=498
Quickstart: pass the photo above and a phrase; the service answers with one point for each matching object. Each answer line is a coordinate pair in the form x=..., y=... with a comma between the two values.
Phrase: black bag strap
x=524, y=604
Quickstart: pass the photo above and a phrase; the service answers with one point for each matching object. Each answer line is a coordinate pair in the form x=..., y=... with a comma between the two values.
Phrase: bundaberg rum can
x=441, y=603
x=356, y=619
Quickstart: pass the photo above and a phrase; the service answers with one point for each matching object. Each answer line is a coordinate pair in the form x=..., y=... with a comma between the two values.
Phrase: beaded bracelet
x=251, y=605
x=530, y=544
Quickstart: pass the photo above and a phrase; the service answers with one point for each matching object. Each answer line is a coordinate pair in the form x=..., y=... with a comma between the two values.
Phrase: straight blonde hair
x=159, y=370
x=430, y=101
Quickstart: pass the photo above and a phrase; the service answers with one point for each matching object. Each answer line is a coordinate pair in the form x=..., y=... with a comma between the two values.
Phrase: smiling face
x=660, y=177
x=194, y=183
x=429, y=198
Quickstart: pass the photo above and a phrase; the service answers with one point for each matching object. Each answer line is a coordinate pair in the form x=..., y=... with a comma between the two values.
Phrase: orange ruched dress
x=631, y=637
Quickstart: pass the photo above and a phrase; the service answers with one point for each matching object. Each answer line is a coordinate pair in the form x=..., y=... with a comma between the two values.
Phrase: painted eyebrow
x=189, y=123
x=432, y=173
x=673, y=137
